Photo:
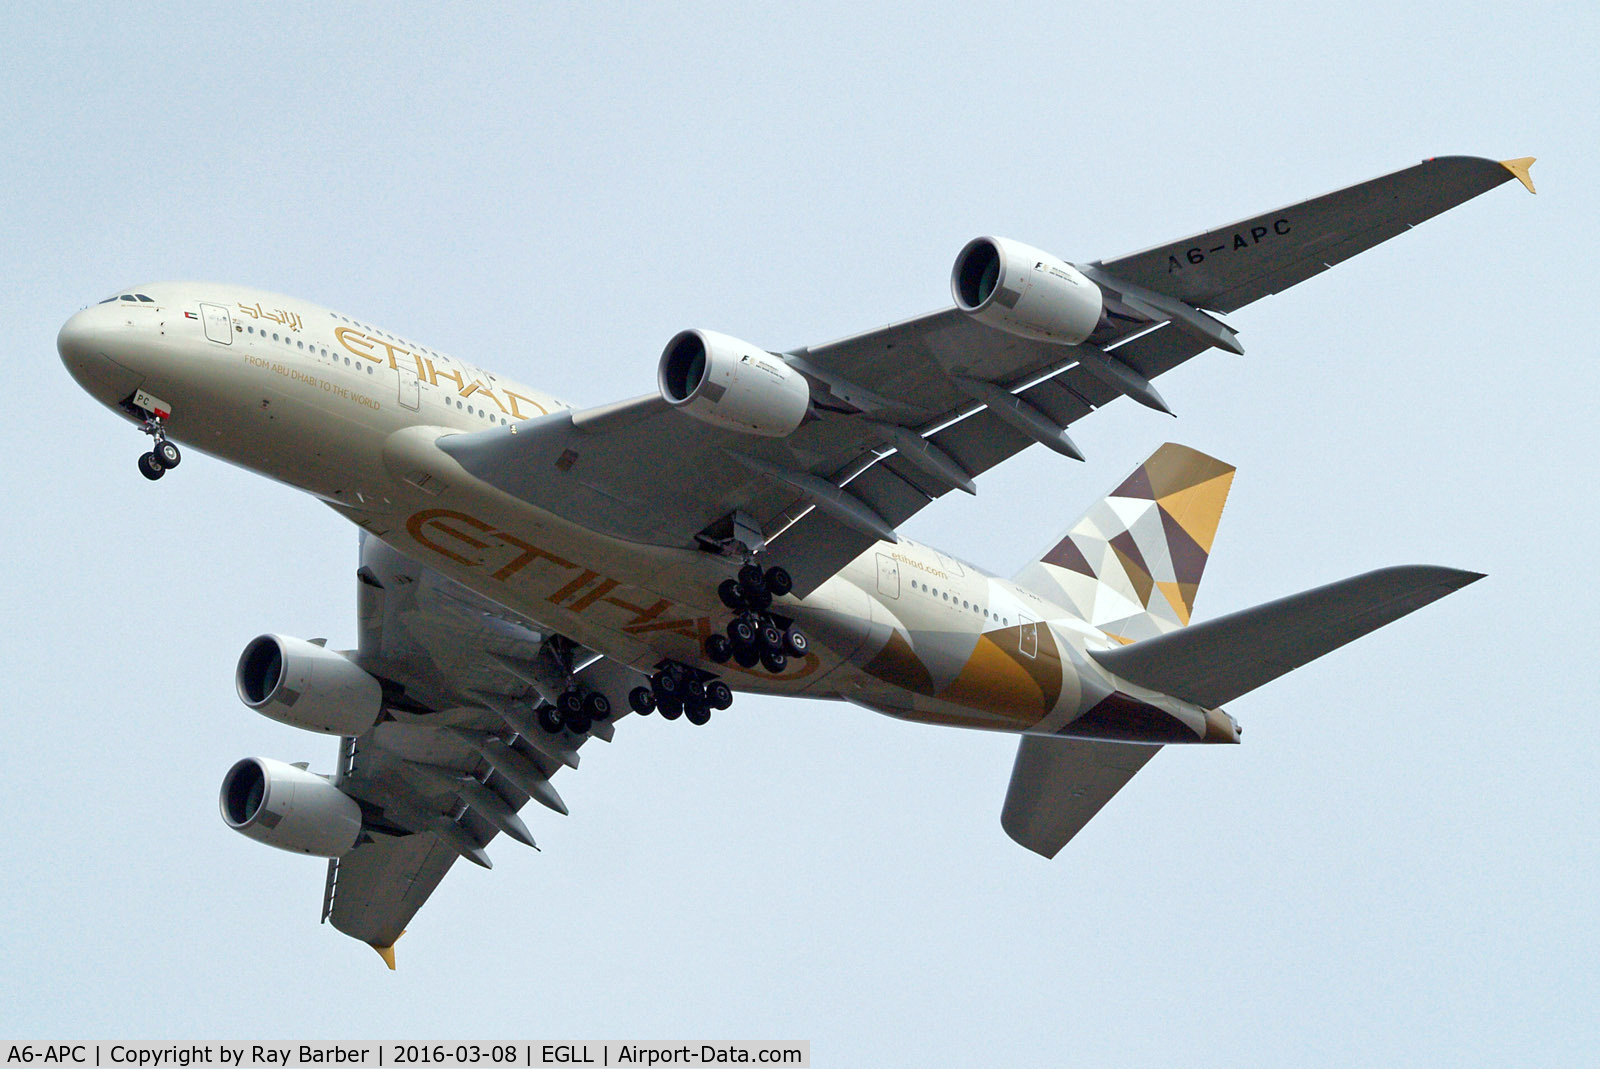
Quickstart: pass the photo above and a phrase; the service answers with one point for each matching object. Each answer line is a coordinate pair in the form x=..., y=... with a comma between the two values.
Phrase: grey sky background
x=1398, y=865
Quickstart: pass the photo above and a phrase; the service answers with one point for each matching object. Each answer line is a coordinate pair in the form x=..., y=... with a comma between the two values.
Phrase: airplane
x=532, y=571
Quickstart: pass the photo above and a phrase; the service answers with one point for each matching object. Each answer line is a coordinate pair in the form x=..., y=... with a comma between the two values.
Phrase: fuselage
x=349, y=412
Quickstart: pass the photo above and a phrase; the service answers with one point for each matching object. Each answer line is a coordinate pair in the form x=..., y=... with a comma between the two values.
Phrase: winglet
x=387, y=953
x=1520, y=169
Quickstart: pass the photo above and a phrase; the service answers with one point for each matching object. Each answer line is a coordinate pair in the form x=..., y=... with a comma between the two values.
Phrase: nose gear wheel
x=163, y=454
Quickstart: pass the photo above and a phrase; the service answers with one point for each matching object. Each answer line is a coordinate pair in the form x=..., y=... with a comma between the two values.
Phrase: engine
x=289, y=808
x=1025, y=291
x=732, y=384
x=307, y=686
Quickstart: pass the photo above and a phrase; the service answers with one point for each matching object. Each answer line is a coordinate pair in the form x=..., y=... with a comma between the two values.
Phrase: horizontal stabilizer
x=1058, y=785
x=1214, y=662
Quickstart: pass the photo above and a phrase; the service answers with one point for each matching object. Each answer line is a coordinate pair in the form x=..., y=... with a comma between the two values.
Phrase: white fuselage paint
x=350, y=413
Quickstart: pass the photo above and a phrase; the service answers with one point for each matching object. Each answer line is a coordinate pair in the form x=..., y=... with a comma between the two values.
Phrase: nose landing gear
x=153, y=415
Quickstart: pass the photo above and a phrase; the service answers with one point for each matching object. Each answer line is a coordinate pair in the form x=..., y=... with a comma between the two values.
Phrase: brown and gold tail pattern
x=1132, y=565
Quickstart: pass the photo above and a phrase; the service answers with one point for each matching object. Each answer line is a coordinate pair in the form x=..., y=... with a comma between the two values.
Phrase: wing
x=1058, y=785
x=905, y=413
x=459, y=752
x=1230, y=266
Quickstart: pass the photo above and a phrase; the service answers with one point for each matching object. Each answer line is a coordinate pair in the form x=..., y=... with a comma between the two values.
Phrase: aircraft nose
x=86, y=342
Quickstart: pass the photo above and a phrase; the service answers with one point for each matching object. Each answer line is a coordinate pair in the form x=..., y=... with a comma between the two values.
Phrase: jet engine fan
x=307, y=686
x=732, y=384
x=1025, y=291
x=287, y=807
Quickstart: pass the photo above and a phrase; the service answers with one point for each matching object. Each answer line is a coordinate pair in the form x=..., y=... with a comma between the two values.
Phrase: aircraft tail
x=1132, y=565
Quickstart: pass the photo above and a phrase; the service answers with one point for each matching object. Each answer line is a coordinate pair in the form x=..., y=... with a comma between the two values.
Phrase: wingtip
x=1520, y=168
x=387, y=953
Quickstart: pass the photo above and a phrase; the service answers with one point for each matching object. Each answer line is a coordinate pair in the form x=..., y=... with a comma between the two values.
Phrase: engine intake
x=729, y=383
x=307, y=686
x=1025, y=291
x=289, y=808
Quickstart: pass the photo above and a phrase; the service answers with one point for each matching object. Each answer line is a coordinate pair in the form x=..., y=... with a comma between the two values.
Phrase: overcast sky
x=1401, y=862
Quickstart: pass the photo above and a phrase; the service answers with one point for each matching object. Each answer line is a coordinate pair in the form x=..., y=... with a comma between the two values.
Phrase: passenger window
x=274, y=337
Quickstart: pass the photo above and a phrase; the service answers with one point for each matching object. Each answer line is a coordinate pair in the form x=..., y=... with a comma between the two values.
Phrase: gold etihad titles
x=367, y=347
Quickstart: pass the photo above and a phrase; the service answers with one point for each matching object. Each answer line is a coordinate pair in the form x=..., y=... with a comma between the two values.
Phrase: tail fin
x=1132, y=565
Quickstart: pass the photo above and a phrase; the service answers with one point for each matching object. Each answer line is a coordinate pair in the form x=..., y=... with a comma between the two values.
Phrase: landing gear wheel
x=667, y=685
x=579, y=725
x=779, y=582
x=795, y=642
x=570, y=704
x=150, y=467
x=167, y=454
x=694, y=691
x=719, y=648
x=550, y=719
x=698, y=715
x=774, y=661
x=718, y=694
x=642, y=700
x=771, y=638
x=741, y=632
x=747, y=656
x=671, y=708
x=752, y=581
x=597, y=706
x=729, y=593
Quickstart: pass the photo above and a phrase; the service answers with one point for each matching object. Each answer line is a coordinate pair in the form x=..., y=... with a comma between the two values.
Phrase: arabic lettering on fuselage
x=281, y=316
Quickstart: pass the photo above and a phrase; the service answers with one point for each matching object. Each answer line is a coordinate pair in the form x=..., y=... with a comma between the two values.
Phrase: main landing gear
x=756, y=635
x=679, y=690
x=163, y=454
x=576, y=711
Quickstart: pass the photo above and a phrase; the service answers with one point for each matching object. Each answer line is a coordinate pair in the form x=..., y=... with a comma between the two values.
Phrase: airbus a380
x=532, y=571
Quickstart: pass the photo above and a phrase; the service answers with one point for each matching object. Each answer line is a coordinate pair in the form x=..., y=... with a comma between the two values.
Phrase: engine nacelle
x=732, y=384
x=1025, y=291
x=307, y=686
x=289, y=808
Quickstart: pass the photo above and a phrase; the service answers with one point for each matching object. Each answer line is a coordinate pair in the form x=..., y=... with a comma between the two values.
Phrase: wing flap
x=1058, y=785
x=1216, y=661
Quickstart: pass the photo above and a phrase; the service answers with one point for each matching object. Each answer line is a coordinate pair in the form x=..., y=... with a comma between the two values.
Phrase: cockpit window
x=127, y=297
x=146, y=300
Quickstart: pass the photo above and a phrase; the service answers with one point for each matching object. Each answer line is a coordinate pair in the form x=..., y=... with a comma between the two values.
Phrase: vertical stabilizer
x=1132, y=565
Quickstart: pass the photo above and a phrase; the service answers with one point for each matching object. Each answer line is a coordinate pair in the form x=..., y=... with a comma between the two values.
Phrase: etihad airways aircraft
x=532, y=571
